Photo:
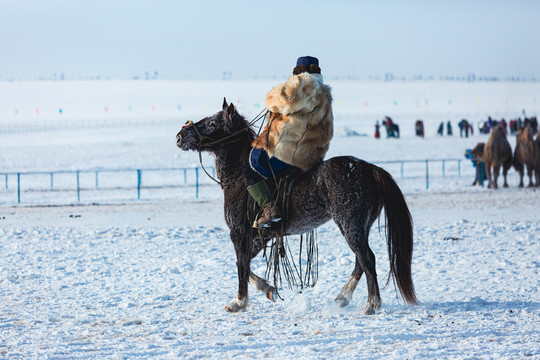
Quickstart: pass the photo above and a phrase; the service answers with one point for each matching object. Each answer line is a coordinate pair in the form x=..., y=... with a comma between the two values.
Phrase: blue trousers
x=264, y=166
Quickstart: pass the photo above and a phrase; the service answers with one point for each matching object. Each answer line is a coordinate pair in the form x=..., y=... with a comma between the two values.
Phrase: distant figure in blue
x=475, y=155
x=489, y=124
x=440, y=130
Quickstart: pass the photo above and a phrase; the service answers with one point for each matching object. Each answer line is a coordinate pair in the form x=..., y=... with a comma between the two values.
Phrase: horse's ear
x=225, y=104
x=228, y=112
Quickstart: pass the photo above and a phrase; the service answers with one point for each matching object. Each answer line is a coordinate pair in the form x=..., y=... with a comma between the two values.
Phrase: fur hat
x=307, y=64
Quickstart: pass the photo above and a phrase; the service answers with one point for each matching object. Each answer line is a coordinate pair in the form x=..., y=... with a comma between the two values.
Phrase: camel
x=526, y=155
x=495, y=154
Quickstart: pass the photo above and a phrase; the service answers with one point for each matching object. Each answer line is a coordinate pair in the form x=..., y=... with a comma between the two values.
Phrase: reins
x=223, y=141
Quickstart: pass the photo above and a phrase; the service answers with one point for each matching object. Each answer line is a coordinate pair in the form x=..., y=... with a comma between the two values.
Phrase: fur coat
x=300, y=121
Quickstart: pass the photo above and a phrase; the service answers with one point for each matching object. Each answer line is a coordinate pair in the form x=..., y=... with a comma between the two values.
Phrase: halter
x=221, y=142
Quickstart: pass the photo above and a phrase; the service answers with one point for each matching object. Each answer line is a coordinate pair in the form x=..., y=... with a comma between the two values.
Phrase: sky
x=262, y=39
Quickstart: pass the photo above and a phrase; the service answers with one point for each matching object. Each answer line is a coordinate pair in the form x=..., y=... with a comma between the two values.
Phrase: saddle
x=280, y=187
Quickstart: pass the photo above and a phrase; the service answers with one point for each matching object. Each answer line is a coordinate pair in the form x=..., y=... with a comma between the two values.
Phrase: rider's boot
x=270, y=211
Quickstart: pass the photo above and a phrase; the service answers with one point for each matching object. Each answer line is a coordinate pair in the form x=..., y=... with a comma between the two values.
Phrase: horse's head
x=214, y=132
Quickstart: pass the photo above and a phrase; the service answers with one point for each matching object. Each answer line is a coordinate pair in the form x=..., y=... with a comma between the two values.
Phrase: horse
x=497, y=153
x=392, y=130
x=348, y=190
x=526, y=155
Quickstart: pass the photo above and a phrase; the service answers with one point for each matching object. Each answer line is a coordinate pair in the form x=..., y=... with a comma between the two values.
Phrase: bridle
x=229, y=139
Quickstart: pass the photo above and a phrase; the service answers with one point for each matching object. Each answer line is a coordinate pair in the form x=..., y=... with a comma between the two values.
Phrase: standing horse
x=350, y=191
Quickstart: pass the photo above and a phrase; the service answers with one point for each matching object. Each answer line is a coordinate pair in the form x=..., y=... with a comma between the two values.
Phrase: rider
x=297, y=136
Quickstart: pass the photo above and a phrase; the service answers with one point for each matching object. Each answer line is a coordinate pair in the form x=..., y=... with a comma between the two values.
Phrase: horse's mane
x=245, y=124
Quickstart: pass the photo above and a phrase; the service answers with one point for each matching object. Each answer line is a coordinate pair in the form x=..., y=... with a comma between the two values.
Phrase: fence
x=110, y=185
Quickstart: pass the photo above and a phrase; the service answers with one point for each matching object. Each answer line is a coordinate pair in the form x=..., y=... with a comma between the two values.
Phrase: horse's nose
x=179, y=138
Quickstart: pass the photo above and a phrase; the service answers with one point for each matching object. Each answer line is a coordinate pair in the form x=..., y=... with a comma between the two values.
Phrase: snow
x=150, y=278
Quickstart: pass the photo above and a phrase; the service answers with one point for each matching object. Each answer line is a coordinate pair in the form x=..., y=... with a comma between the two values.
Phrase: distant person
x=377, y=131
x=440, y=130
x=463, y=128
x=419, y=128
x=449, y=128
x=513, y=126
x=505, y=126
x=478, y=163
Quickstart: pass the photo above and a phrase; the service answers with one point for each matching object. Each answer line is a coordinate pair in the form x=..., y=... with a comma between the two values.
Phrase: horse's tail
x=399, y=233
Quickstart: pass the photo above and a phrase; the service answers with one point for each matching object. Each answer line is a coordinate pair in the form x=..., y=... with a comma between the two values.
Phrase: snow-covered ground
x=150, y=278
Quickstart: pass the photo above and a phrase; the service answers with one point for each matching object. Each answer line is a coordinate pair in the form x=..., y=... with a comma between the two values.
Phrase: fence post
x=78, y=188
x=402, y=169
x=427, y=174
x=443, y=169
x=196, y=182
x=6, y=182
x=185, y=176
x=19, y=188
x=97, y=183
x=52, y=181
x=138, y=184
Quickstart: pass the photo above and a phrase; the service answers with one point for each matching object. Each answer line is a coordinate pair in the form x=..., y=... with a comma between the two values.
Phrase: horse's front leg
x=263, y=286
x=260, y=283
x=243, y=258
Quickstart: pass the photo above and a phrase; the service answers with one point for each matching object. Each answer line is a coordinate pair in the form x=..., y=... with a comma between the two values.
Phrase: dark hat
x=307, y=60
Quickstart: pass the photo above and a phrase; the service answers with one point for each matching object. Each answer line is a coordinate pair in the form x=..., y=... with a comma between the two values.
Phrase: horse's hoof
x=271, y=294
x=368, y=310
x=341, y=302
x=236, y=305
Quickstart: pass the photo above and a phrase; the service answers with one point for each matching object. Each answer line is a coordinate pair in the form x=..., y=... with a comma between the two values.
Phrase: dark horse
x=345, y=189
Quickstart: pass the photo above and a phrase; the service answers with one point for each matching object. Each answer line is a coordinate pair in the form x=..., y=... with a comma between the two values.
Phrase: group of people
x=464, y=128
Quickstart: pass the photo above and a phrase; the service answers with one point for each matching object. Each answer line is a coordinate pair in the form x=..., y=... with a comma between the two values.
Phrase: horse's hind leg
x=365, y=261
x=345, y=295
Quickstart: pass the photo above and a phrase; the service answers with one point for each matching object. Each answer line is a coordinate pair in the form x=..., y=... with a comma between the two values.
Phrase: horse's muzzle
x=179, y=139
